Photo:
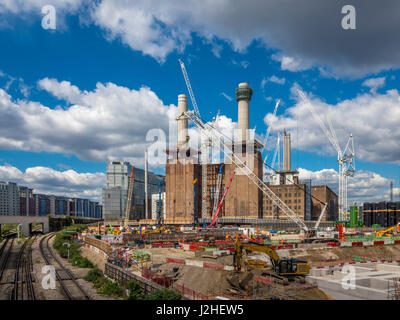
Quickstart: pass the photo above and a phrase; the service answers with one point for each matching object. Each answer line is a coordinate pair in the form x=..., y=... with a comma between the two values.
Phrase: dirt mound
x=207, y=281
x=315, y=257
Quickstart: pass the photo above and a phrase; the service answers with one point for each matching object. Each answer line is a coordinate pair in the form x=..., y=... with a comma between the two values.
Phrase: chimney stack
x=243, y=97
x=287, y=157
x=182, y=123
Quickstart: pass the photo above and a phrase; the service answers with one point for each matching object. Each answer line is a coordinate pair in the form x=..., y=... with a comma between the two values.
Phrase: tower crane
x=218, y=210
x=217, y=191
x=269, y=172
x=269, y=128
x=345, y=158
x=209, y=131
x=129, y=197
x=189, y=87
x=205, y=145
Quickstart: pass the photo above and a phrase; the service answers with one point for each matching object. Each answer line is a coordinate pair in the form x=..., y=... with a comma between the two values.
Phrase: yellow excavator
x=283, y=269
x=395, y=229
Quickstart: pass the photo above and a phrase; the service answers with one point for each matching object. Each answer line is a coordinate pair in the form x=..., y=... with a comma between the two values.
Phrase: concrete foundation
x=371, y=281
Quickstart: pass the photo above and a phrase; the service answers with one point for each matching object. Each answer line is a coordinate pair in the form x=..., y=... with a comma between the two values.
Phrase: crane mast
x=206, y=144
x=217, y=191
x=129, y=197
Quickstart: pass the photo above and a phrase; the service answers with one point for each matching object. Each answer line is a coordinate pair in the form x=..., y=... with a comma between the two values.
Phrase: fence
x=99, y=244
x=192, y=294
x=123, y=277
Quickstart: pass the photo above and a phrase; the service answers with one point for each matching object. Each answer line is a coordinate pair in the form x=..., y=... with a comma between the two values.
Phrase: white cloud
x=371, y=118
x=273, y=79
x=365, y=186
x=107, y=123
x=302, y=37
x=142, y=25
x=263, y=83
x=277, y=80
x=374, y=83
x=293, y=64
x=24, y=6
x=63, y=183
x=227, y=97
x=61, y=90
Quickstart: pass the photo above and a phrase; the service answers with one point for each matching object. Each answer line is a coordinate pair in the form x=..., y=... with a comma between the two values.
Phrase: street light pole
x=68, y=246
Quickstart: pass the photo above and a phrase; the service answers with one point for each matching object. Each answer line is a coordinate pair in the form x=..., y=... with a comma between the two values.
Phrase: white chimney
x=243, y=97
x=182, y=123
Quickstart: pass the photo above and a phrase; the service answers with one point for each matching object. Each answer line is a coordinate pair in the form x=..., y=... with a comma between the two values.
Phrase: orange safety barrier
x=213, y=266
x=191, y=294
x=264, y=279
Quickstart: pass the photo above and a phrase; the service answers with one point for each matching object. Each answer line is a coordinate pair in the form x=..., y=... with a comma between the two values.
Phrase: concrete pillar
x=243, y=97
x=182, y=123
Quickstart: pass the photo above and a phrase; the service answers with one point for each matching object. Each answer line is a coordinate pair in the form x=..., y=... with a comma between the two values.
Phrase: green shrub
x=111, y=289
x=93, y=275
x=164, y=294
x=135, y=291
x=100, y=282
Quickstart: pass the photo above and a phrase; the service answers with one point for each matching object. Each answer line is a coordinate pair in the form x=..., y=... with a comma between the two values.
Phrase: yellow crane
x=284, y=269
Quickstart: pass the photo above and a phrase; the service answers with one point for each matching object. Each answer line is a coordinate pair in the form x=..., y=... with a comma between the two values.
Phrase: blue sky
x=89, y=49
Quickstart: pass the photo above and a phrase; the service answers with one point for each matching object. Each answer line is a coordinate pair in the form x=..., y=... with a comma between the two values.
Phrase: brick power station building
x=184, y=178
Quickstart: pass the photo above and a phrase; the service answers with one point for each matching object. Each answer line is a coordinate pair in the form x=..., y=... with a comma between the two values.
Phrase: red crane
x=221, y=202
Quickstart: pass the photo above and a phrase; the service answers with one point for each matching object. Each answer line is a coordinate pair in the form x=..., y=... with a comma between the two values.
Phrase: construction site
x=241, y=229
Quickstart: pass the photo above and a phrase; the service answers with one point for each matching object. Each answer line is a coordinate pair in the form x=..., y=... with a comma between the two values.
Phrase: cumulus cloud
x=293, y=64
x=365, y=186
x=24, y=6
x=67, y=183
x=61, y=90
x=273, y=79
x=371, y=118
x=374, y=83
x=303, y=36
x=107, y=123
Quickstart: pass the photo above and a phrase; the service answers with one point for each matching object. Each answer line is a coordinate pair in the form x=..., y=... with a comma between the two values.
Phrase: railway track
x=23, y=282
x=48, y=255
x=5, y=255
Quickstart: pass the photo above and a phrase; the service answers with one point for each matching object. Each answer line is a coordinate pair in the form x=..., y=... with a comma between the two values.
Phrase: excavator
x=283, y=269
x=395, y=229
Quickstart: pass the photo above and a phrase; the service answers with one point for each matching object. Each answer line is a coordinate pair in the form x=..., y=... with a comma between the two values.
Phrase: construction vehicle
x=283, y=269
x=129, y=197
x=394, y=229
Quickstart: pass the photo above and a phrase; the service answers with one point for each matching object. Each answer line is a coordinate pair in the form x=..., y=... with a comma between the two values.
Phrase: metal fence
x=123, y=277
